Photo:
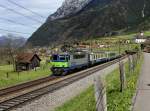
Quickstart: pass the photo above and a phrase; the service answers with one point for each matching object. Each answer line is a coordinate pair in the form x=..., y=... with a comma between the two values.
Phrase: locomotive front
x=59, y=64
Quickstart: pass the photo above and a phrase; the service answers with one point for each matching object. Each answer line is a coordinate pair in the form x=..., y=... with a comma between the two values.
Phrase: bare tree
x=2, y=55
x=11, y=51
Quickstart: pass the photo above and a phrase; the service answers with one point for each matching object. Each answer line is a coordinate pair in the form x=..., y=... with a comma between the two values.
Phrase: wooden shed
x=27, y=61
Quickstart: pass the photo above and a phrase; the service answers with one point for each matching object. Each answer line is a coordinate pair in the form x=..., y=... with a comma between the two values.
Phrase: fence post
x=134, y=61
x=7, y=75
x=122, y=76
x=35, y=69
x=139, y=55
x=131, y=67
x=100, y=94
x=18, y=73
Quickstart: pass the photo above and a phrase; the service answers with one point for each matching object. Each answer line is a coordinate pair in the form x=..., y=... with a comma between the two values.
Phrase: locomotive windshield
x=54, y=57
x=60, y=58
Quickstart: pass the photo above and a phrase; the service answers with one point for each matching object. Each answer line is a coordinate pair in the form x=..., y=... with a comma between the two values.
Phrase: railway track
x=13, y=89
x=55, y=83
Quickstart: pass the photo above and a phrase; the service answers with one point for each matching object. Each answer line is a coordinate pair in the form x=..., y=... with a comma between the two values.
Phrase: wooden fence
x=99, y=83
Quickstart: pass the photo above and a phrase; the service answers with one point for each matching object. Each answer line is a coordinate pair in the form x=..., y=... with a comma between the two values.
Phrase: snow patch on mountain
x=69, y=7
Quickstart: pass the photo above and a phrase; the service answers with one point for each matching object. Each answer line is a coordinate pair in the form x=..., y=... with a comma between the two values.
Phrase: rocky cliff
x=69, y=7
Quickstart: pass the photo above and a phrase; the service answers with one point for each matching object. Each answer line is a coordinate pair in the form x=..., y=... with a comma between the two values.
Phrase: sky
x=28, y=25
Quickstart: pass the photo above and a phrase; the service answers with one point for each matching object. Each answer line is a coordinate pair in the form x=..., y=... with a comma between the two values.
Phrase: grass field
x=83, y=102
x=122, y=48
x=129, y=35
x=116, y=100
x=116, y=43
x=147, y=33
x=15, y=78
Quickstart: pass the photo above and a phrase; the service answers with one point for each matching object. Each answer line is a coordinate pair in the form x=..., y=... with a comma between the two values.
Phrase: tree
x=11, y=52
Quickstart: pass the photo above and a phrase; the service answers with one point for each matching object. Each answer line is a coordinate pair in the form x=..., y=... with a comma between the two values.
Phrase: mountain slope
x=96, y=18
x=69, y=7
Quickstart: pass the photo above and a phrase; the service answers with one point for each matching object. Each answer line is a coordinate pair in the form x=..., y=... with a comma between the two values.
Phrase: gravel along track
x=55, y=85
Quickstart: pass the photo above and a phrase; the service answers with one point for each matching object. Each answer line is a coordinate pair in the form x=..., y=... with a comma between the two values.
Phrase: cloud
x=43, y=7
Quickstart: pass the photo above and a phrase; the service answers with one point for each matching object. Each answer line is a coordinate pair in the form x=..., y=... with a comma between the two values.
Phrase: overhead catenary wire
x=14, y=22
x=12, y=31
x=33, y=12
x=19, y=13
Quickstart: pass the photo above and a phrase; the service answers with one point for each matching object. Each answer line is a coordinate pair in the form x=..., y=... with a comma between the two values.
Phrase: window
x=79, y=56
x=62, y=58
x=67, y=58
x=54, y=57
x=112, y=54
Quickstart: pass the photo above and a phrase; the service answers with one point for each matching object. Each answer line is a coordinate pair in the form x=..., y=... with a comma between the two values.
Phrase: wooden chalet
x=27, y=61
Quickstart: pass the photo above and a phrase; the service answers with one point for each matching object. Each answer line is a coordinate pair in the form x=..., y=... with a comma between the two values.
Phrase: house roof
x=26, y=57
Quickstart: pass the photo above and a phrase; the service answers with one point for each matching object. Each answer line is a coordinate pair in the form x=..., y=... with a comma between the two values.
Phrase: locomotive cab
x=66, y=63
x=59, y=63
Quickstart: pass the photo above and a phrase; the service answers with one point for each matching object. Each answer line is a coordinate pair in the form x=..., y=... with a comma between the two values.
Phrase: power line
x=12, y=10
x=12, y=21
x=35, y=13
x=11, y=31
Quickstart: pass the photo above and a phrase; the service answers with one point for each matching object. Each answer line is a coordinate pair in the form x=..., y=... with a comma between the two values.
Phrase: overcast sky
x=43, y=7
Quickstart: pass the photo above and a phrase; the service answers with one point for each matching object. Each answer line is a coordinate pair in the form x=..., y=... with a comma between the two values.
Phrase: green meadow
x=9, y=78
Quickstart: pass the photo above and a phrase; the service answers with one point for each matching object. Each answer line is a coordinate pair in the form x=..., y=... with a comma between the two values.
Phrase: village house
x=140, y=38
x=27, y=61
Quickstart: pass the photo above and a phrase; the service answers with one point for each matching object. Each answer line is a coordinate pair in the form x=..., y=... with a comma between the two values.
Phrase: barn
x=27, y=61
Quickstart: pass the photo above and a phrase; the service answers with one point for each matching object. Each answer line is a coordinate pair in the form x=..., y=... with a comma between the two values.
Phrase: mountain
x=15, y=41
x=69, y=7
x=84, y=19
x=2, y=39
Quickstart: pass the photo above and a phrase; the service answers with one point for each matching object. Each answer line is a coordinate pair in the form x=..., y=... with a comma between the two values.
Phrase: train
x=66, y=63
